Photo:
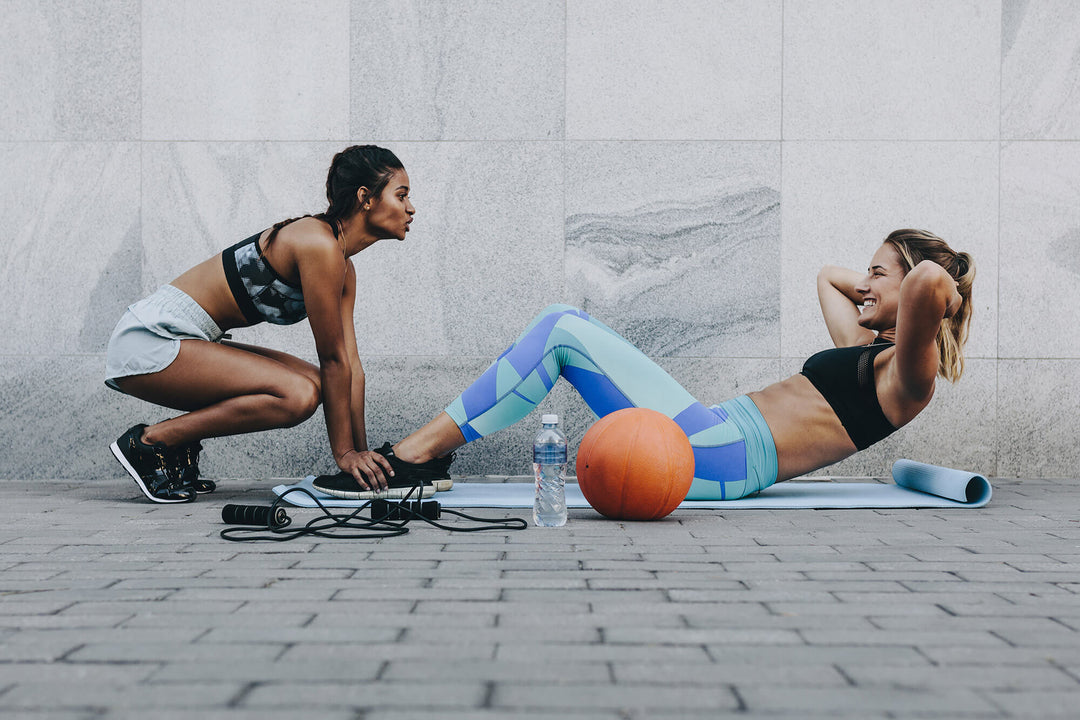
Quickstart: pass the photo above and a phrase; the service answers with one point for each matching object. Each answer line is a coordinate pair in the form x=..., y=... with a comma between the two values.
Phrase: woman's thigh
x=205, y=373
x=308, y=370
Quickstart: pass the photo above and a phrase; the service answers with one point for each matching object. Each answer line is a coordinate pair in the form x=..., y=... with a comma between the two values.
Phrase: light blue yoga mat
x=918, y=485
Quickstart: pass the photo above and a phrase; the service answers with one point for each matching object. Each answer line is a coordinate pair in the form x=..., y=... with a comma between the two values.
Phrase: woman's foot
x=151, y=467
x=433, y=443
x=434, y=472
x=343, y=485
x=432, y=476
x=187, y=468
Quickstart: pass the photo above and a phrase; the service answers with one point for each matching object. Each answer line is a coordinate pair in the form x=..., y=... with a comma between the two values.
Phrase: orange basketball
x=635, y=464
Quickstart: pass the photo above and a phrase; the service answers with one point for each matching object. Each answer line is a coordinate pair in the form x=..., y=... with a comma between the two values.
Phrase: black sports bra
x=259, y=291
x=845, y=378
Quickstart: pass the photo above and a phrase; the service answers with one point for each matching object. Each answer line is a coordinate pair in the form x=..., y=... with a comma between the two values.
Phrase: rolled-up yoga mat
x=962, y=486
x=918, y=485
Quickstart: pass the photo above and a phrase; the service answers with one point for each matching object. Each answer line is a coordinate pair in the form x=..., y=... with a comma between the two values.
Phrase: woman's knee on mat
x=561, y=309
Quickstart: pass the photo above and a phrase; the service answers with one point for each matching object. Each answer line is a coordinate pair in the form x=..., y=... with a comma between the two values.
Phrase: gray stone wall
x=679, y=169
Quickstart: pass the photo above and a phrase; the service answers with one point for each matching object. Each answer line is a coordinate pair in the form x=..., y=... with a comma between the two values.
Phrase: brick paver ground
x=113, y=607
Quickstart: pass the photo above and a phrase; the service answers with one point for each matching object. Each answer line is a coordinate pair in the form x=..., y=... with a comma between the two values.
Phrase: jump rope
x=385, y=518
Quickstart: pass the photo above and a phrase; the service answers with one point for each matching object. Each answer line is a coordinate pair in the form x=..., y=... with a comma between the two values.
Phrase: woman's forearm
x=336, y=390
x=842, y=280
x=359, y=425
x=839, y=305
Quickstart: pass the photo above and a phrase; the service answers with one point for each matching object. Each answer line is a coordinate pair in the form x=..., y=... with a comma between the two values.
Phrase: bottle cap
x=549, y=420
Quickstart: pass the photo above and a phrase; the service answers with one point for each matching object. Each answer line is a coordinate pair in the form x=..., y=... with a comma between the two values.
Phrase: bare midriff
x=206, y=284
x=807, y=433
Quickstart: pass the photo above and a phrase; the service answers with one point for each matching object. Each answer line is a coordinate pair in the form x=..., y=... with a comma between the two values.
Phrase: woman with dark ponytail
x=168, y=350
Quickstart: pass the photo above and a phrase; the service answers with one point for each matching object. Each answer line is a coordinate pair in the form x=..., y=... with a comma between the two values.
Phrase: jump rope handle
x=258, y=515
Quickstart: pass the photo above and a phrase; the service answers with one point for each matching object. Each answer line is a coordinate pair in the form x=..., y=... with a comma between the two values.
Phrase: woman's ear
x=363, y=198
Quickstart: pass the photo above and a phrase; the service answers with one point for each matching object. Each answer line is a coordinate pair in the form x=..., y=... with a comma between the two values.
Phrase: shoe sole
x=388, y=494
x=442, y=485
x=138, y=479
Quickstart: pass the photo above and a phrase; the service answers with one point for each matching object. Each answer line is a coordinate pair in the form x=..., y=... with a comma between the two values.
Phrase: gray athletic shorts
x=147, y=338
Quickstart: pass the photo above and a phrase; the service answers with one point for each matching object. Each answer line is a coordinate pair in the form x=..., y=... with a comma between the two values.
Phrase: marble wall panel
x=70, y=249
x=59, y=419
x=483, y=257
x=454, y=70
x=70, y=71
x=676, y=245
x=1040, y=75
x=956, y=430
x=891, y=69
x=1039, y=411
x=842, y=199
x=245, y=70
x=684, y=70
x=138, y=138
x=1040, y=249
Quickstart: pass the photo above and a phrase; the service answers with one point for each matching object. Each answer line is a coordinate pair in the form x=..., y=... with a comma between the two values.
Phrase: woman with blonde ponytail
x=896, y=327
x=168, y=348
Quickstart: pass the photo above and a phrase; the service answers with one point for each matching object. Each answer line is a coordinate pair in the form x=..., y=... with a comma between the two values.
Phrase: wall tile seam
x=70, y=141
x=508, y=141
x=998, y=429
x=898, y=140
x=489, y=357
x=565, y=55
x=351, y=140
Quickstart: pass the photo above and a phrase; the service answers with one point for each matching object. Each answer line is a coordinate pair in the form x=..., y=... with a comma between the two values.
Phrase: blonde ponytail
x=914, y=246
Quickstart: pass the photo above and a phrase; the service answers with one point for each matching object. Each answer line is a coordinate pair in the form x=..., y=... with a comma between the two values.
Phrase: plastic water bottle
x=549, y=469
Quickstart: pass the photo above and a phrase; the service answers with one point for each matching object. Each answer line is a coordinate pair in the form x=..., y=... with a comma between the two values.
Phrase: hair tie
x=962, y=264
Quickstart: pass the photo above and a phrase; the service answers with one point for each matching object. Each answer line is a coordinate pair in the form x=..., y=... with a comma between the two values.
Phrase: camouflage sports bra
x=260, y=292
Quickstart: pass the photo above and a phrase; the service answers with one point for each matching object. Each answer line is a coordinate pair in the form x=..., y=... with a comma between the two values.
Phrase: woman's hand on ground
x=369, y=468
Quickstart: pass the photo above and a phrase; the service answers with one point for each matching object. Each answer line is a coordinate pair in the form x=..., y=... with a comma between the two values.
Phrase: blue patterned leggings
x=734, y=452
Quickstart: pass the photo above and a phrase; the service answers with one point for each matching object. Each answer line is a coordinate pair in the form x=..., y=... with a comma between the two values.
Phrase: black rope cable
x=356, y=526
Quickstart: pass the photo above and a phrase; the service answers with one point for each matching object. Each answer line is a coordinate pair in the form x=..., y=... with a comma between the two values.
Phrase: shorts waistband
x=180, y=305
x=761, y=460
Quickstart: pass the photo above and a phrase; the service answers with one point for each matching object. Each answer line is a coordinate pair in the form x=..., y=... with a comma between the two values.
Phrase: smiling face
x=392, y=211
x=880, y=290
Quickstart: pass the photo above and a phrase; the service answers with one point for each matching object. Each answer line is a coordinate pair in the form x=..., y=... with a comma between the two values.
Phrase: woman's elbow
x=930, y=281
x=333, y=362
x=929, y=276
x=826, y=273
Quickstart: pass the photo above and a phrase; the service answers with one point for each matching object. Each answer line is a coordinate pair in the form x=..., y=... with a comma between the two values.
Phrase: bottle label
x=551, y=455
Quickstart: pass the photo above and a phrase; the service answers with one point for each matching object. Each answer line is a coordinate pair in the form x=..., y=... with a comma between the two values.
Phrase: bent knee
x=300, y=401
x=562, y=309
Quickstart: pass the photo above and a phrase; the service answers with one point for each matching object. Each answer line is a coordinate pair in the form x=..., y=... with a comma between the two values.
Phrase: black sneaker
x=343, y=485
x=150, y=466
x=434, y=472
x=187, y=468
